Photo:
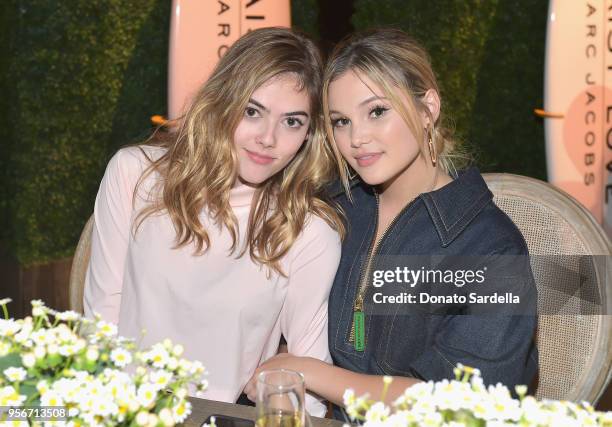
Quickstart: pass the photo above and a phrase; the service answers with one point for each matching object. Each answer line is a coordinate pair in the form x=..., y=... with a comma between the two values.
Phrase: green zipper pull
x=359, y=324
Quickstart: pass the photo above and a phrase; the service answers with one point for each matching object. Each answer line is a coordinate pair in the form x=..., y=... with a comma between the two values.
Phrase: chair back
x=574, y=333
x=78, y=271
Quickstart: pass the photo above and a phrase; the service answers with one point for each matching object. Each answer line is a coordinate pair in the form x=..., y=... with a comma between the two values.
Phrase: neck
x=419, y=177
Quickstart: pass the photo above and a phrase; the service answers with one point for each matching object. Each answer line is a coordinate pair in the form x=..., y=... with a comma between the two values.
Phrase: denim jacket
x=457, y=219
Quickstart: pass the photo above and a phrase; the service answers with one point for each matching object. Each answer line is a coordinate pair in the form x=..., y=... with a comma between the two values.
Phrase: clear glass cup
x=280, y=399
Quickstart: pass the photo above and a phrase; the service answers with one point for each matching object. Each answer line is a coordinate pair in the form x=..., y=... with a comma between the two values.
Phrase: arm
x=497, y=339
x=330, y=382
x=304, y=323
x=303, y=318
x=109, y=243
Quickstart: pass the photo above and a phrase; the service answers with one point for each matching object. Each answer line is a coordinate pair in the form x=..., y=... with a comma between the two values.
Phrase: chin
x=372, y=178
x=253, y=181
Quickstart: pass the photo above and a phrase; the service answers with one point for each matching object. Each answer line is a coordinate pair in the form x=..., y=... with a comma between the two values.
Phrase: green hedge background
x=489, y=59
x=79, y=79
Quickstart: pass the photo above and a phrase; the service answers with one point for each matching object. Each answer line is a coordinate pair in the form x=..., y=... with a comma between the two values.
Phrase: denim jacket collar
x=455, y=205
x=452, y=207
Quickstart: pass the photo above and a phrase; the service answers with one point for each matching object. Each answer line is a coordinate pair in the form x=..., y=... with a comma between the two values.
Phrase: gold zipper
x=358, y=315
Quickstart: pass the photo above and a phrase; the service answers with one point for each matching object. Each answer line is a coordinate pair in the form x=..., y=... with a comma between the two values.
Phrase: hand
x=280, y=361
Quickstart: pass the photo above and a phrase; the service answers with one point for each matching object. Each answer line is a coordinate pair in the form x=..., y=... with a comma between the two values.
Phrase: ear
x=431, y=99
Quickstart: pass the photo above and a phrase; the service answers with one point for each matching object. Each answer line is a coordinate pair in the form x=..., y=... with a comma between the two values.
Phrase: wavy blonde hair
x=200, y=165
x=396, y=63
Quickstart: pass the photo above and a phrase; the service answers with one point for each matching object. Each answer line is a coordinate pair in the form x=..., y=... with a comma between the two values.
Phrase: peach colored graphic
x=202, y=30
x=585, y=130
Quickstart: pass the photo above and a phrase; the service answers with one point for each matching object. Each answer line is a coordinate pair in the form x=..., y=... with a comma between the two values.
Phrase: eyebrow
x=372, y=98
x=364, y=102
x=267, y=110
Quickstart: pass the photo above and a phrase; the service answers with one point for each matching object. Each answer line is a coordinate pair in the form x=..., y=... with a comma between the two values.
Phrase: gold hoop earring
x=349, y=172
x=432, y=147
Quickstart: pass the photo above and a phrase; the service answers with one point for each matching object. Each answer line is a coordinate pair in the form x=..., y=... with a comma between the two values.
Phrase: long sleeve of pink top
x=224, y=310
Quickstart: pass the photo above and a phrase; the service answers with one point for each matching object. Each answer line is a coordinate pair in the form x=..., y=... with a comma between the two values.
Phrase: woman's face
x=274, y=126
x=370, y=134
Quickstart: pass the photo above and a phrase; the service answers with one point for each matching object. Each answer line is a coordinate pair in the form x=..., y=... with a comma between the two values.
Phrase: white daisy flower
x=10, y=397
x=51, y=398
x=106, y=329
x=142, y=418
x=160, y=378
x=181, y=411
x=9, y=327
x=158, y=356
x=348, y=398
x=146, y=395
x=38, y=311
x=92, y=353
x=172, y=363
x=178, y=350
x=121, y=357
x=5, y=348
x=104, y=407
x=165, y=416
x=53, y=349
x=153, y=420
x=378, y=412
x=42, y=386
x=68, y=316
x=39, y=352
x=15, y=374
x=28, y=359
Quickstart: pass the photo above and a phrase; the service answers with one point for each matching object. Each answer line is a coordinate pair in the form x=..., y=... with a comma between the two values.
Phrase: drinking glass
x=280, y=399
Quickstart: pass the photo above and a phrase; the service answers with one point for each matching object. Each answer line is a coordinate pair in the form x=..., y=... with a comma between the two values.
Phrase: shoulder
x=317, y=229
x=498, y=232
x=134, y=158
x=465, y=217
x=128, y=164
x=317, y=240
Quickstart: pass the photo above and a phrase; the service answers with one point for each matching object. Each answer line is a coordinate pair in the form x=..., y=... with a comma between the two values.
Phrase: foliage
x=489, y=59
x=59, y=359
x=466, y=402
x=86, y=77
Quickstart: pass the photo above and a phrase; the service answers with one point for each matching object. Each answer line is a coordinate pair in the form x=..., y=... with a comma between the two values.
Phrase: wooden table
x=202, y=408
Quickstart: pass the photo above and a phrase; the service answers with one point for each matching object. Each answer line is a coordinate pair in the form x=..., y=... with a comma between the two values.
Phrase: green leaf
x=10, y=360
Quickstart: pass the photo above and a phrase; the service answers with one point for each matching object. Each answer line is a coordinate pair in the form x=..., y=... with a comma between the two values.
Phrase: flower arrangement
x=466, y=402
x=60, y=359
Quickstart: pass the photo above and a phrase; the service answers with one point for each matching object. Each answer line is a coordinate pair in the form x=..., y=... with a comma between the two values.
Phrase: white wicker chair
x=80, y=262
x=574, y=333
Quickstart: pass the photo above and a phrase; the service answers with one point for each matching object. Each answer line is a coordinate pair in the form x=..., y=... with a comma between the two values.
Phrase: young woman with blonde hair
x=384, y=119
x=218, y=235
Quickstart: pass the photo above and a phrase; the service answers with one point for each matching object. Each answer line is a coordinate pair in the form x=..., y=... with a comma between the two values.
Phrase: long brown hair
x=199, y=166
x=396, y=63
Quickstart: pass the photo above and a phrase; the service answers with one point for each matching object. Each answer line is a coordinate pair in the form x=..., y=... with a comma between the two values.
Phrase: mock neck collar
x=241, y=195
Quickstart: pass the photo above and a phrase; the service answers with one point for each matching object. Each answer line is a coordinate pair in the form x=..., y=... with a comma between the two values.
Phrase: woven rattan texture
x=80, y=263
x=566, y=337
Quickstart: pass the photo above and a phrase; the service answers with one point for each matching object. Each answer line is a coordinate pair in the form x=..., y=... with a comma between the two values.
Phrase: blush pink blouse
x=222, y=309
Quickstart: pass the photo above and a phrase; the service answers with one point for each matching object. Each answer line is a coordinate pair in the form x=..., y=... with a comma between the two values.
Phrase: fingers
x=251, y=390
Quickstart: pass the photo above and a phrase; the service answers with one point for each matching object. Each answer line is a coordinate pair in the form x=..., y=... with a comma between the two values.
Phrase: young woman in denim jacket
x=382, y=104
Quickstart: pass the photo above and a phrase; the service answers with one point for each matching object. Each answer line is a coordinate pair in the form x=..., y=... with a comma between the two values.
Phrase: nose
x=359, y=135
x=267, y=136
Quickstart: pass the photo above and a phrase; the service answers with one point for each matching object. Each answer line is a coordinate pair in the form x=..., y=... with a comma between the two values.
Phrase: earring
x=432, y=147
x=349, y=172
